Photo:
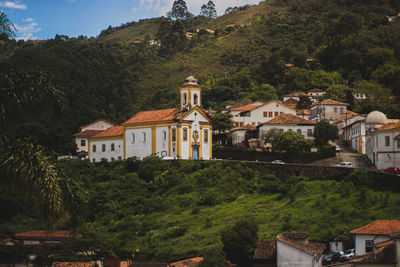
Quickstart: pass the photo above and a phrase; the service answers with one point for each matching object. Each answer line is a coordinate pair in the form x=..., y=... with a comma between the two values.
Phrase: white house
x=183, y=133
x=355, y=135
x=107, y=145
x=288, y=122
x=295, y=96
x=382, y=140
x=239, y=134
x=329, y=110
x=348, y=119
x=294, y=250
x=316, y=92
x=257, y=113
x=87, y=131
x=367, y=237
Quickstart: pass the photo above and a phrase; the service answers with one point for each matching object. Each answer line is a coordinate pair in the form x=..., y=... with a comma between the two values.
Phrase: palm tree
x=6, y=26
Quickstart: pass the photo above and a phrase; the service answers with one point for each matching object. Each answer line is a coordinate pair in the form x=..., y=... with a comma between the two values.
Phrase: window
x=112, y=159
x=398, y=143
x=335, y=110
x=164, y=135
x=341, y=110
x=94, y=148
x=112, y=147
x=290, y=130
x=184, y=98
x=299, y=131
x=265, y=114
x=280, y=113
x=369, y=245
x=144, y=137
x=309, y=132
x=133, y=138
x=174, y=135
x=236, y=124
x=270, y=114
x=205, y=136
x=241, y=124
x=185, y=134
x=195, y=99
x=94, y=160
x=119, y=158
x=376, y=141
x=83, y=142
x=387, y=140
x=281, y=130
x=103, y=148
x=276, y=113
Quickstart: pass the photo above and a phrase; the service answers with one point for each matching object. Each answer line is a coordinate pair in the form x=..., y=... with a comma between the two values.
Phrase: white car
x=347, y=254
x=278, y=161
x=338, y=149
x=344, y=164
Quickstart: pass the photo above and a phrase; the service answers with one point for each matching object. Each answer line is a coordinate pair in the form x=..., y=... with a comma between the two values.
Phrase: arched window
x=112, y=147
x=133, y=138
x=103, y=148
x=94, y=148
x=184, y=98
x=309, y=132
x=299, y=131
x=174, y=135
x=185, y=134
x=144, y=137
x=195, y=99
x=164, y=135
x=205, y=136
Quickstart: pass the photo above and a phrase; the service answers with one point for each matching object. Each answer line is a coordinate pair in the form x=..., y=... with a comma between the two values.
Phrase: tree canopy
x=179, y=10
x=324, y=132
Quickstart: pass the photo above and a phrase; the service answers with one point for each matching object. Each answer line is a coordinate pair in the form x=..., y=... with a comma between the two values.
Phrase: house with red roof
x=107, y=145
x=330, y=110
x=39, y=237
x=257, y=113
x=180, y=133
x=87, y=131
x=374, y=235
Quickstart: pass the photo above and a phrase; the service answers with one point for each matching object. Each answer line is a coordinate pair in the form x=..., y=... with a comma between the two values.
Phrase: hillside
x=171, y=210
x=352, y=45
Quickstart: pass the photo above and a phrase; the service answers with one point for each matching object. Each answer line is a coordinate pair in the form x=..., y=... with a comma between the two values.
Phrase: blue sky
x=43, y=19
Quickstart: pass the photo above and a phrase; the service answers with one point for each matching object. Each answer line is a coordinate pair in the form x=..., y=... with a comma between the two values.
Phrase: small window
x=205, y=136
x=103, y=148
x=133, y=138
x=174, y=135
x=164, y=135
x=398, y=143
x=309, y=132
x=94, y=160
x=94, y=148
x=195, y=99
x=184, y=98
x=369, y=245
x=335, y=110
x=299, y=131
x=280, y=113
x=236, y=124
x=265, y=114
x=185, y=134
x=387, y=140
x=341, y=110
x=119, y=158
x=112, y=159
x=270, y=114
x=281, y=130
x=83, y=142
x=144, y=137
x=276, y=113
x=241, y=124
x=112, y=147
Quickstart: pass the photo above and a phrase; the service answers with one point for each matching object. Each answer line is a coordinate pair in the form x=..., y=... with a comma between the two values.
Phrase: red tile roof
x=153, y=116
x=330, y=102
x=291, y=102
x=381, y=255
x=247, y=127
x=246, y=108
x=42, y=234
x=316, y=90
x=88, y=133
x=309, y=247
x=187, y=263
x=379, y=227
x=383, y=244
x=286, y=118
x=389, y=126
x=297, y=94
x=265, y=250
x=73, y=264
x=112, y=132
x=303, y=112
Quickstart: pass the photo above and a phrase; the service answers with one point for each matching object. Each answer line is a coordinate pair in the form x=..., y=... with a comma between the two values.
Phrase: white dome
x=190, y=80
x=376, y=117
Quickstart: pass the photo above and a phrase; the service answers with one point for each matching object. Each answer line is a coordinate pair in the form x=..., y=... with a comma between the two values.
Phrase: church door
x=195, y=153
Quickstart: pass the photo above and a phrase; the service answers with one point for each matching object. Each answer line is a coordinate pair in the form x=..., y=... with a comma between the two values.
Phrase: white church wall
x=108, y=154
x=138, y=142
x=162, y=140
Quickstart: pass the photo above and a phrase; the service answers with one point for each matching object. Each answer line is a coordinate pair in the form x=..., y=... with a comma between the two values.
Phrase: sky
x=43, y=19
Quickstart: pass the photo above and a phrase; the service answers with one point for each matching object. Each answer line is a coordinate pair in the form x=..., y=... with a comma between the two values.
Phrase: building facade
x=329, y=110
x=355, y=135
x=107, y=145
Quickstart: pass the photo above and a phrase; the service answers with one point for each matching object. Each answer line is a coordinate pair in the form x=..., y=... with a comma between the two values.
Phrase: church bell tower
x=190, y=93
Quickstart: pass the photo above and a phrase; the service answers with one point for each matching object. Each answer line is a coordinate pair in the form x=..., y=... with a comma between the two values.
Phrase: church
x=183, y=133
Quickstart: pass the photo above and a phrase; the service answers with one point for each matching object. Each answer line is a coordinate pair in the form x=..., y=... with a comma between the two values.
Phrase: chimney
x=396, y=239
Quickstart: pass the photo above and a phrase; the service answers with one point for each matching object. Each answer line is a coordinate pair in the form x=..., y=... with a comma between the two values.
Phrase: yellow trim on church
x=153, y=139
x=179, y=142
x=169, y=141
x=201, y=142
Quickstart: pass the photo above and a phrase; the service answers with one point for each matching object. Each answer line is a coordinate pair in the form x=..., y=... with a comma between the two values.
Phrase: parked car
x=347, y=254
x=278, y=161
x=332, y=258
x=394, y=170
x=344, y=164
x=338, y=149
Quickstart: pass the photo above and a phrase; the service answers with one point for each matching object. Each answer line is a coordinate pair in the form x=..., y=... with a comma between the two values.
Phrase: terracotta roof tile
x=246, y=108
x=113, y=131
x=265, y=250
x=74, y=264
x=381, y=255
x=303, y=112
x=291, y=102
x=389, y=126
x=187, y=263
x=247, y=127
x=379, y=227
x=88, y=133
x=330, y=102
x=316, y=90
x=309, y=247
x=383, y=244
x=286, y=118
x=153, y=116
x=296, y=94
x=42, y=234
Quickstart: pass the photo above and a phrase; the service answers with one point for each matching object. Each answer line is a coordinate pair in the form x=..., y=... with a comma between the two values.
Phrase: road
x=357, y=160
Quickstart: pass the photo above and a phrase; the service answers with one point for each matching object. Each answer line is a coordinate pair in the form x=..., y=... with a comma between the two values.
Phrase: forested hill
x=352, y=44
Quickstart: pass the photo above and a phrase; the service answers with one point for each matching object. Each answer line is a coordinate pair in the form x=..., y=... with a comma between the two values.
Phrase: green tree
x=304, y=103
x=208, y=10
x=337, y=92
x=291, y=142
x=222, y=122
x=271, y=135
x=323, y=132
x=388, y=75
x=375, y=91
x=263, y=92
x=6, y=26
x=179, y=10
x=173, y=40
x=239, y=242
x=323, y=79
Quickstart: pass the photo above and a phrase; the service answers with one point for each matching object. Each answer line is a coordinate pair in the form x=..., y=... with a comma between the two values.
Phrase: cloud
x=9, y=4
x=161, y=7
x=27, y=30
